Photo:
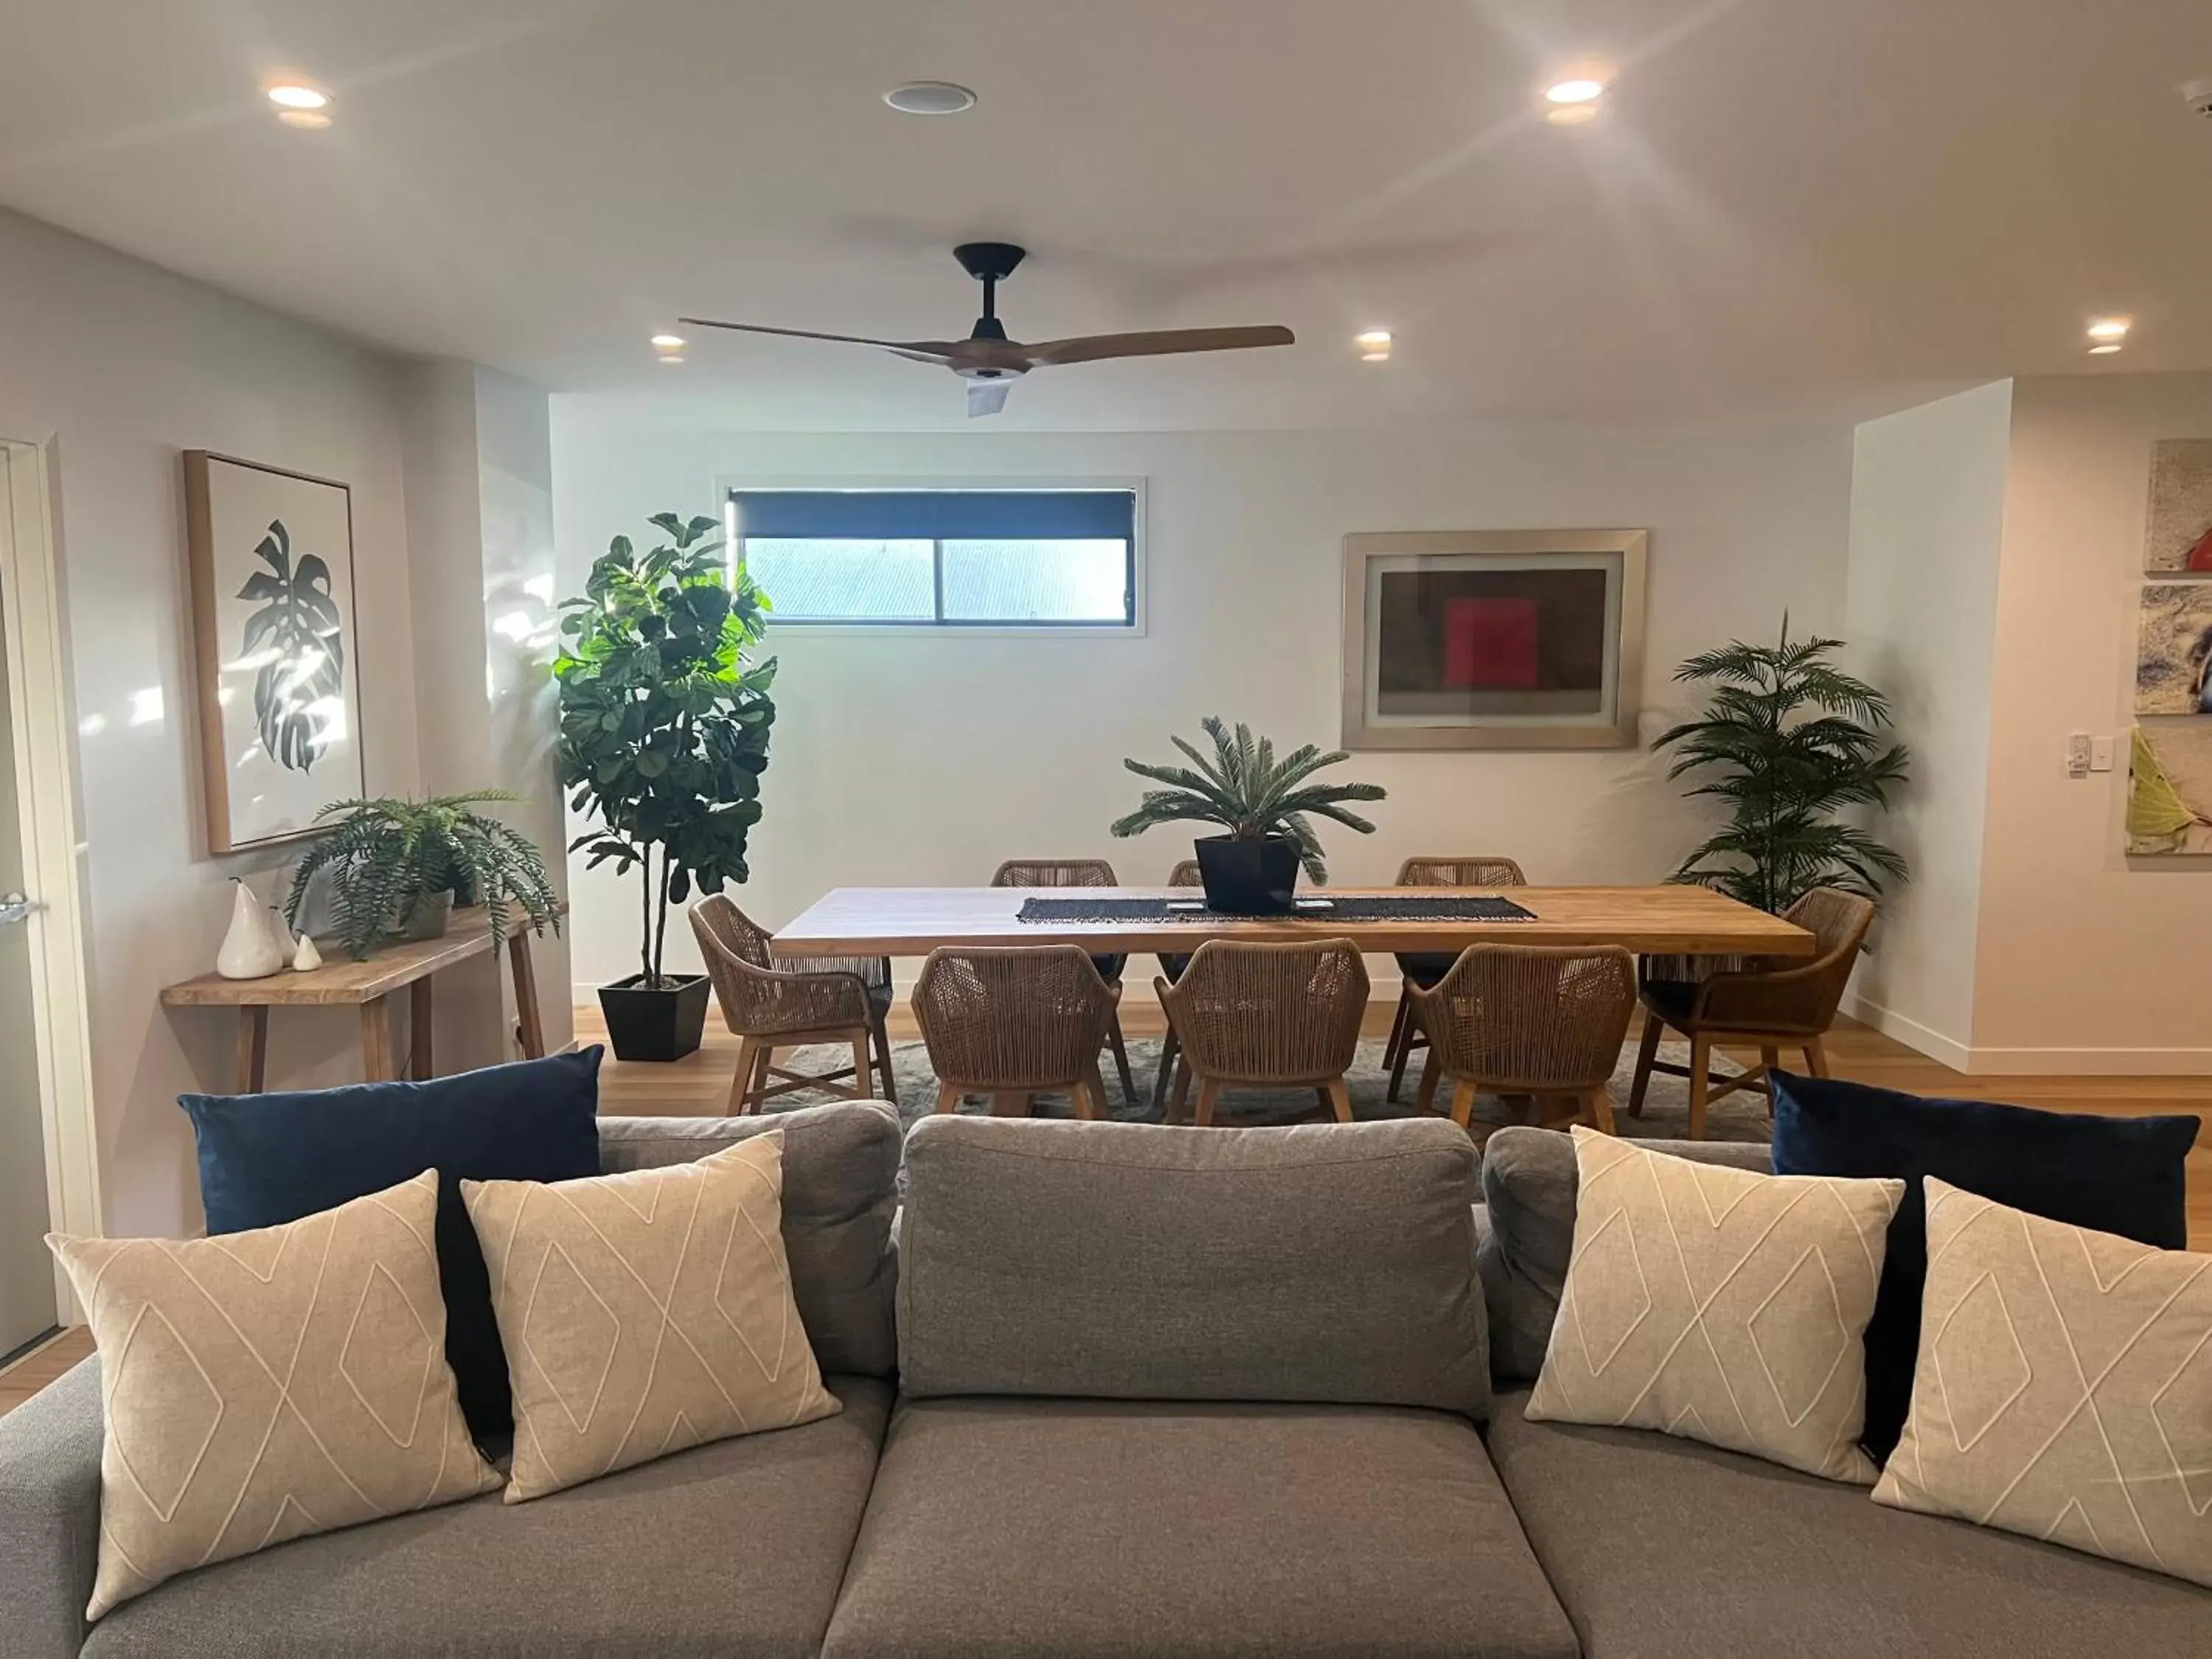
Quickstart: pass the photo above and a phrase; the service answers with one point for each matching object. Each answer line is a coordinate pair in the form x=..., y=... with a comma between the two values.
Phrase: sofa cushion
x=2123, y=1176
x=1320, y=1261
x=268, y=1159
x=1528, y=1183
x=733, y=1549
x=840, y=1193
x=1077, y=1528
x=1661, y=1548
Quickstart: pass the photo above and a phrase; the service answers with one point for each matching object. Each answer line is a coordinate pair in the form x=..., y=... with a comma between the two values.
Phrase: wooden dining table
x=1657, y=920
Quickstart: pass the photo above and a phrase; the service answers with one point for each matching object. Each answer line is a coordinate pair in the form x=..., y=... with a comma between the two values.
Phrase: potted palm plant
x=1261, y=803
x=1789, y=742
x=663, y=738
x=396, y=867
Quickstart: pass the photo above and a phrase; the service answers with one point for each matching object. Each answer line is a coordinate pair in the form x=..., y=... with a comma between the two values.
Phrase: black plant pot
x=650, y=1025
x=1248, y=878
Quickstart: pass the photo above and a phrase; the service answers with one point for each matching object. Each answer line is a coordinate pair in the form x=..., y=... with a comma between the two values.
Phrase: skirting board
x=1990, y=1061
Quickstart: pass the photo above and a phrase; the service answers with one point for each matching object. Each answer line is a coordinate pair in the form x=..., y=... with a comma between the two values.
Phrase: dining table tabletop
x=912, y=922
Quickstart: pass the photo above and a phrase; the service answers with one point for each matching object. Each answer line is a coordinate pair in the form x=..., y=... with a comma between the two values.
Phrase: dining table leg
x=252, y=1064
x=377, y=1062
x=529, y=1029
x=420, y=1064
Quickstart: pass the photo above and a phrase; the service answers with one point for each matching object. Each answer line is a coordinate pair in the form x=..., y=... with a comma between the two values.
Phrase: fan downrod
x=990, y=263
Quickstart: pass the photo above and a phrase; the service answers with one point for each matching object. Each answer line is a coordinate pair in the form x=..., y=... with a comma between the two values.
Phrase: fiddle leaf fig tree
x=664, y=719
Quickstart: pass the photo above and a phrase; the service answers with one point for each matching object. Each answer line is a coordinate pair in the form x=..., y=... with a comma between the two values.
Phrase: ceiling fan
x=990, y=362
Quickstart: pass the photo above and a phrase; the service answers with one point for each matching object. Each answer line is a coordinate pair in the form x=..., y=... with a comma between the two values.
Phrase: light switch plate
x=2100, y=754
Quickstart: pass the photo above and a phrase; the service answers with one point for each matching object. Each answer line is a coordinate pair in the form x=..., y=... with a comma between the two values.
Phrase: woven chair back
x=1008, y=1018
x=1269, y=1013
x=1533, y=1019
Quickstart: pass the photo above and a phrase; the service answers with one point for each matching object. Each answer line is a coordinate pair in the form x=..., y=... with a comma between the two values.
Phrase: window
x=951, y=558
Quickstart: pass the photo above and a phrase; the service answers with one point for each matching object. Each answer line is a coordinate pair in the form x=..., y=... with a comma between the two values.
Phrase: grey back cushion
x=840, y=1190
x=1323, y=1262
x=1529, y=1188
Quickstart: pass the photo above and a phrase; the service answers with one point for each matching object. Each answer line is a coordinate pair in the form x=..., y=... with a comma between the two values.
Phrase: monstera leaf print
x=294, y=636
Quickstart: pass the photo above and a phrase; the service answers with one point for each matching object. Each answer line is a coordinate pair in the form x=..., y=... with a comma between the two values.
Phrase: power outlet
x=2077, y=755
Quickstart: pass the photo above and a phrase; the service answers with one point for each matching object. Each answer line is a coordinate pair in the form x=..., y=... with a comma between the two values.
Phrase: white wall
x=123, y=366
x=2089, y=960
x=1927, y=514
x=928, y=759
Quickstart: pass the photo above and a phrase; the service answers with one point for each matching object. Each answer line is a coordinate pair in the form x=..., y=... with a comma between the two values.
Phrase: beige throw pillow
x=1718, y=1304
x=644, y=1313
x=2063, y=1388
x=261, y=1386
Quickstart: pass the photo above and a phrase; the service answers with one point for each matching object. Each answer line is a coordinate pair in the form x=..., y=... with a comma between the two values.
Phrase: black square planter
x=655, y=1024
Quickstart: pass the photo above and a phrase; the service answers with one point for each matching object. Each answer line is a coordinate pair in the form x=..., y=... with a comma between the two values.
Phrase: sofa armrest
x=50, y=1451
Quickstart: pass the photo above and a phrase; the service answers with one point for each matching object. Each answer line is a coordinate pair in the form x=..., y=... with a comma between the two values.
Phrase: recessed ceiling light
x=1570, y=115
x=1373, y=339
x=2105, y=351
x=2109, y=328
x=1374, y=356
x=930, y=98
x=1579, y=90
x=298, y=95
x=307, y=120
x=668, y=341
x=672, y=356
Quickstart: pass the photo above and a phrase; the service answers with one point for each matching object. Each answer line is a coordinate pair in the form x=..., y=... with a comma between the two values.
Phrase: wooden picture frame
x=1512, y=639
x=275, y=644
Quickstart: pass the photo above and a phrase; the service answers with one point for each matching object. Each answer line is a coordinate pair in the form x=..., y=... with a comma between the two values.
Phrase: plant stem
x=661, y=932
x=645, y=939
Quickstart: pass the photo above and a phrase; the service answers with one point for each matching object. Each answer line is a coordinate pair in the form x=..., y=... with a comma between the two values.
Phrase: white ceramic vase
x=249, y=951
x=306, y=957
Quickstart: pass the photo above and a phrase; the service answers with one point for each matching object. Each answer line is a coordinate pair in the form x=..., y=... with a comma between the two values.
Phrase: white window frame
x=1136, y=627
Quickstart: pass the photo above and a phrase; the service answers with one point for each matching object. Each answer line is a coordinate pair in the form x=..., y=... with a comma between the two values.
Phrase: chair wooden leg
x=1701, y=1054
x=1816, y=1058
x=1770, y=1062
x=1181, y=1100
x=1340, y=1099
x=1432, y=1073
x=1647, y=1051
x=882, y=1042
x=741, y=1080
x=1092, y=1102
x=948, y=1097
x=1397, y=1028
x=1462, y=1101
x=1120, y=1048
x=1402, y=1032
x=862, y=1078
x=1208, y=1092
x=1601, y=1110
x=1169, y=1048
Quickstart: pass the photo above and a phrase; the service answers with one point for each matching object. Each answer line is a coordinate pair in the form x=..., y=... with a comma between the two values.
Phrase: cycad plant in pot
x=1790, y=743
x=664, y=736
x=394, y=868
x=1261, y=802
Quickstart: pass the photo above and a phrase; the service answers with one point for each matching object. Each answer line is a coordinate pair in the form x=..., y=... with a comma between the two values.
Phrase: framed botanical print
x=271, y=555
x=1493, y=639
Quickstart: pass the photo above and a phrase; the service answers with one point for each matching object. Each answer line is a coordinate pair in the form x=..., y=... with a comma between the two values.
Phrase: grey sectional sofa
x=1124, y=1391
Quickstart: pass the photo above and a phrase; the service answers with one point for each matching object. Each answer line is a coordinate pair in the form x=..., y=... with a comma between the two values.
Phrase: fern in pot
x=1263, y=805
x=396, y=867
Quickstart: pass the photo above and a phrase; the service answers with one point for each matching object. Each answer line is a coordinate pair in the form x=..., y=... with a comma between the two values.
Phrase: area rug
x=1740, y=1116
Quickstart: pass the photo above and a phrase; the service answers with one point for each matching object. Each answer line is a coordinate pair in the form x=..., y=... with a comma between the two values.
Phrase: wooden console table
x=369, y=987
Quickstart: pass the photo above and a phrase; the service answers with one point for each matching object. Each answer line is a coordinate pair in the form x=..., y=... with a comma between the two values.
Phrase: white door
x=27, y=1274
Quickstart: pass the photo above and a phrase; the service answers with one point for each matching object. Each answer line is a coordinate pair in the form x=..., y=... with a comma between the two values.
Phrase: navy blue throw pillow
x=2116, y=1174
x=267, y=1159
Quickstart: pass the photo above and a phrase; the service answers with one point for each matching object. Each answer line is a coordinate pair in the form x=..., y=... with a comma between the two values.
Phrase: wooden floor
x=697, y=1087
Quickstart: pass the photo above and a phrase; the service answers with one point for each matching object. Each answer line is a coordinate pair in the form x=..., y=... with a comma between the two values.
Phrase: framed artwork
x=2170, y=789
x=1493, y=639
x=271, y=555
x=2178, y=529
x=2173, y=649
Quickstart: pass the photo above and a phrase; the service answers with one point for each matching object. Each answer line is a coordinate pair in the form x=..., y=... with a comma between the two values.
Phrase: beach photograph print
x=2173, y=644
x=2178, y=533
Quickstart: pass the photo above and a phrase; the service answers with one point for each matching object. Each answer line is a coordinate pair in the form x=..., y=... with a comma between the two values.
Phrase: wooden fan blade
x=988, y=397
x=1092, y=348
x=925, y=351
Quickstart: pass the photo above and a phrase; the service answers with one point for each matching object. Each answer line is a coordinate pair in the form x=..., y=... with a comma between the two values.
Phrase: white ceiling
x=1816, y=204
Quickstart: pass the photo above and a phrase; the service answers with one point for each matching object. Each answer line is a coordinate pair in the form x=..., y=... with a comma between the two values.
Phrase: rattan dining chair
x=1768, y=1004
x=1427, y=968
x=1172, y=964
x=1267, y=1017
x=1542, y=1021
x=773, y=1005
x=1078, y=872
x=1014, y=1020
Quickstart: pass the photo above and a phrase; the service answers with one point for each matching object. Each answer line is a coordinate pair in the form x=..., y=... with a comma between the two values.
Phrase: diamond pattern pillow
x=644, y=1313
x=1718, y=1304
x=260, y=1386
x=2064, y=1387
